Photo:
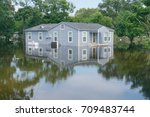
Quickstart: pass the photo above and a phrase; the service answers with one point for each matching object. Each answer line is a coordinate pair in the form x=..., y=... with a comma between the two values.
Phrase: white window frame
x=30, y=51
x=40, y=53
x=55, y=53
x=70, y=36
x=30, y=35
x=40, y=34
x=61, y=26
x=108, y=52
x=84, y=36
x=70, y=56
x=55, y=32
x=84, y=56
x=107, y=35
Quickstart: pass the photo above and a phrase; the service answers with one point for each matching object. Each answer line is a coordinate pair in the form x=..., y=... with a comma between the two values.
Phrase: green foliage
x=132, y=67
x=28, y=16
x=92, y=15
x=54, y=10
x=6, y=24
x=146, y=43
x=146, y=2
x=128, y=25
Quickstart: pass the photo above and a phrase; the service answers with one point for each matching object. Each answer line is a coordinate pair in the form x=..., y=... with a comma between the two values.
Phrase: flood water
x=124, y=75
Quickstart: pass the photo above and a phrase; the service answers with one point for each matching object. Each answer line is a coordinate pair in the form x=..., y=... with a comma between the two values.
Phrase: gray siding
x=102, y=32
x=45, y=43
x=63, y=35
x=81, y=43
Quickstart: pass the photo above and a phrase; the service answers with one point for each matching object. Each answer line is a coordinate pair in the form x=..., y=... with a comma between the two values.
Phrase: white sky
x=85, y=3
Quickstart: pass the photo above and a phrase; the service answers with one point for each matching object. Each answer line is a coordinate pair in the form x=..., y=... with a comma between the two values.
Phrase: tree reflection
x=132, y=66
x=19, y=76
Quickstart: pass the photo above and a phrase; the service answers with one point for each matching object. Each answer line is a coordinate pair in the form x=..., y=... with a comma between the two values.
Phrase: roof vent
x=41, y=27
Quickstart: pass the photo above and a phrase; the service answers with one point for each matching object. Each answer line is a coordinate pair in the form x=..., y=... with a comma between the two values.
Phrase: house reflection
x=67, y=56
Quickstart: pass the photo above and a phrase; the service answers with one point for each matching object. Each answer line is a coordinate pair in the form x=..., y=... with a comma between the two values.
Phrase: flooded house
x=46, y=39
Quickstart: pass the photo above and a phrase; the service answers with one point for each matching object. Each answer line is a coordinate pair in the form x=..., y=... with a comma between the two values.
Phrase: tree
x=131, y=66
x=110, y=7
x=127, y=25
x=101, y=19
x=84, y=15
x=144, y=13
x=92, y=15
x=54, y=11
x=6, y=23
x=28, y=16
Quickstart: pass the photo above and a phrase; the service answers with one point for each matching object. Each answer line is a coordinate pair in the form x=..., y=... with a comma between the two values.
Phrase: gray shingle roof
x=43, y=27
x=84, y=26
x=79, y=26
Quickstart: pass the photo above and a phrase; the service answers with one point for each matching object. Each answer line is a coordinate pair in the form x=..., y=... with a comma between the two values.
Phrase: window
x=55, y=36
x=84, y=54
x=70, y=54
x=107, y=49
x=107, y=37
x=40, y=36
x=29, y=50
x=29, y=36
x=84, y=36
x=55, y=53
x=40, y=51
x=62, y=27
x=70, y=36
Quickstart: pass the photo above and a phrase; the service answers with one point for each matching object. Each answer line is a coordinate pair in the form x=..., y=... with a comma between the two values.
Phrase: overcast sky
x=85, y=3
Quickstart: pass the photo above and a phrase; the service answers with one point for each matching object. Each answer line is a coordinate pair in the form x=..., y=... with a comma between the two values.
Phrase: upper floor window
x=70, y=36
x=40, y=36
x=29, y=35
x=107, y=37
x=62, y=27
x=55, y=36
x=84, y=36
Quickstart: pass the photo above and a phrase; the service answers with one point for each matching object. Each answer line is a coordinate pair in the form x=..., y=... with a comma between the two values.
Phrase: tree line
x=130, y=18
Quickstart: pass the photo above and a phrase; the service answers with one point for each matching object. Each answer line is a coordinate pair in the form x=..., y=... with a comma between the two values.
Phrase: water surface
x=125, y=75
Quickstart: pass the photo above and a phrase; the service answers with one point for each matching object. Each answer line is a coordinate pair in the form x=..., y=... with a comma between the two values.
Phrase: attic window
x=62, y=27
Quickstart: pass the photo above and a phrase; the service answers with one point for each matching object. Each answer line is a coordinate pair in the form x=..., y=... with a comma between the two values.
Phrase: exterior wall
x=63, y=35
x=106, y=52
x=81, y=43
x=102, y=32
x=41, y=43
x=48, y=37
x=63, y=57
x=81, y=56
